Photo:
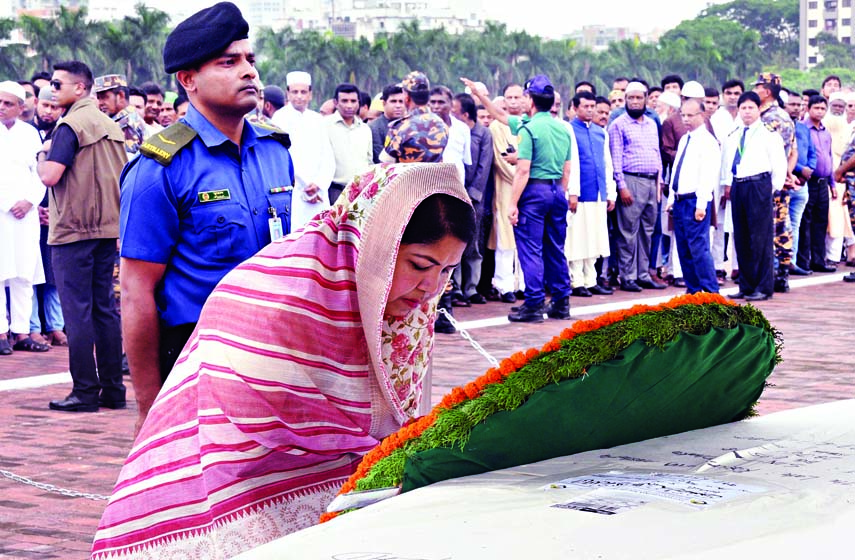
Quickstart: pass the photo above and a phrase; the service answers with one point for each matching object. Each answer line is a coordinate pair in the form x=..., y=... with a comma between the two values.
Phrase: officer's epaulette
x=274, y=132
x=163, y=146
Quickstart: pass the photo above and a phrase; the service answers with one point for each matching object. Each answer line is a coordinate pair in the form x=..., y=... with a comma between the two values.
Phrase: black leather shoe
x=598, y=290
x=582, y=291
x=679, y=283
x=114, y=405
x=509, y=297
x=651, y=284
x=72, y=403
x=477, y=299
x=629, y=286
x=460, y=301
x=782, y=285
x=822, y=268
x=443, y=325
x=738, y=295
x=757, y=296
x=849, y=277
x=559, y=308
x=5, y=347
x=526, y=314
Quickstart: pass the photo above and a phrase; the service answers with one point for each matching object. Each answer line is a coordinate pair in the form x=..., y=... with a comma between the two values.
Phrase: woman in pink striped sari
x=305, y=356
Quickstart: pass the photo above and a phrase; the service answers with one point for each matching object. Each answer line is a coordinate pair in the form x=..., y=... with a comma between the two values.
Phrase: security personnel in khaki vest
x=206, y=194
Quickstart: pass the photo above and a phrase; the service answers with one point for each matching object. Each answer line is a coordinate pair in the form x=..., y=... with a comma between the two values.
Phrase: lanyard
x=744, y=140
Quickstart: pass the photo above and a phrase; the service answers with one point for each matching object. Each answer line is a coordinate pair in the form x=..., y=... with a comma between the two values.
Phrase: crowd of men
x=674, y=183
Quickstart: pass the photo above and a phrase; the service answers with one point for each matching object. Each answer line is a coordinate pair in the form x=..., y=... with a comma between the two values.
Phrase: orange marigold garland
x=517, y=361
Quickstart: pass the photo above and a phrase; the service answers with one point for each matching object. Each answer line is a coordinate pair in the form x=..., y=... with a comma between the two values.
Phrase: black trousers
x=751, y=204
x=84, y=279
x=334, y=191
x=172, y=341
x=811, y=249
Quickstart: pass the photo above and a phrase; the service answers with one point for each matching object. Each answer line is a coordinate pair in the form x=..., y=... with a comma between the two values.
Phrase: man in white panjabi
x=314, y=163
x=21, y=191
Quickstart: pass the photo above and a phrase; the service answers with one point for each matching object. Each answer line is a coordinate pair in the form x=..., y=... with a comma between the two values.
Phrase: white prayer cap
x=635, y=86
x=692, y=89
x=784, y=96
x=302, y=78
x=850, y=96
x=482, y=89
x=670, y=99
x=837, y=96
x=13, y=88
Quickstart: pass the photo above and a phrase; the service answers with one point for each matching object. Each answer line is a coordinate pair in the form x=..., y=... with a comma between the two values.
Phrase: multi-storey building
x=834, y=17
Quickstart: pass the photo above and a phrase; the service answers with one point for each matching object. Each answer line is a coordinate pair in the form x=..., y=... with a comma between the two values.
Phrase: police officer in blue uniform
x=208, y=192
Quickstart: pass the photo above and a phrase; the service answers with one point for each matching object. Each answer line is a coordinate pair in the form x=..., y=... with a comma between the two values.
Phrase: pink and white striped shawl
x=289, y=378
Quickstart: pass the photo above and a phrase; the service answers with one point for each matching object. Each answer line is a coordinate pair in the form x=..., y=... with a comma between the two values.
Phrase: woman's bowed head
x=431, y=247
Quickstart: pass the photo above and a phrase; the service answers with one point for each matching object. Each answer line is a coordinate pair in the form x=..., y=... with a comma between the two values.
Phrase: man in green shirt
x=539, y=207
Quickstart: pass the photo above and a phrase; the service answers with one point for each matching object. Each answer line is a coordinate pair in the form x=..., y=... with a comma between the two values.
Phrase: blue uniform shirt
x=205, y=213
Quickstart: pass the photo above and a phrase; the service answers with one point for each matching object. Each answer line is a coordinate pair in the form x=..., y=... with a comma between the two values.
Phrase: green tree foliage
x=777, y=21
x=733, y=40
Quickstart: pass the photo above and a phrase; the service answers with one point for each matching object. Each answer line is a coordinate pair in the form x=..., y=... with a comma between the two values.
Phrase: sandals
x=58, y=338
x=29, y=345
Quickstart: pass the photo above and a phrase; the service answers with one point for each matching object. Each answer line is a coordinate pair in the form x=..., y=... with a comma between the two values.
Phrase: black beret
x=203, y=36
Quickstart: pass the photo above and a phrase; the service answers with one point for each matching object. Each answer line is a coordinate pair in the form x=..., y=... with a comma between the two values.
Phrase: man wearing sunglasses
x=81, y=164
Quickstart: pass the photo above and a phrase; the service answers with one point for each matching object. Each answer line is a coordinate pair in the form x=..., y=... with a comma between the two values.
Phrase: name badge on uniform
x=214, y=196
x=277, y=190
x=275, y=225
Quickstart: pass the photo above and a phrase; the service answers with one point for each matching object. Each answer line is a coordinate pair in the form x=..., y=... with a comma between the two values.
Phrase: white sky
x=551, y=18
x=569, y=15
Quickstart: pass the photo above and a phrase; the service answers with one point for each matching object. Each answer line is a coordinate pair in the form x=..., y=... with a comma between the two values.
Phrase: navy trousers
x=693, y=246
x=540, y=235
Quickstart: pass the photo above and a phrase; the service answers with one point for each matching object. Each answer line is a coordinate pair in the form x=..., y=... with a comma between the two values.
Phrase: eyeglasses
x=56, y=84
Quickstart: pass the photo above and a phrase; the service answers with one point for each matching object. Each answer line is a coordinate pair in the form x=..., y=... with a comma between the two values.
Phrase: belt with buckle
x=642, y=175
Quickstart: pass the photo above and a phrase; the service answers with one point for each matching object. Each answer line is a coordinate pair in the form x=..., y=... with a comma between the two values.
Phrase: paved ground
x=85, y=451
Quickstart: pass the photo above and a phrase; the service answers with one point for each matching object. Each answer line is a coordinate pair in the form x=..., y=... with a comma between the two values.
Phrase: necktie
x=680, y=164
x=738, y=157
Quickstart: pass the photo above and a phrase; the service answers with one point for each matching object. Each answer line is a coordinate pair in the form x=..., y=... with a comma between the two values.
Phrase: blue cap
x=540, y=85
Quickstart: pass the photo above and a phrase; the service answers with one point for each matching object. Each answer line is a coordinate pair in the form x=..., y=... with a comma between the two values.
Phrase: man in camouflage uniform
x=419, y=136
x=112, y=93
x=767, y=87
x=846, y=174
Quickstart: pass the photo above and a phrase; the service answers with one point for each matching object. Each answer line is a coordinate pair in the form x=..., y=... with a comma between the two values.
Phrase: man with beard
x=634, y=145
x=47, y=113
x=112, y=93
x=206, y=194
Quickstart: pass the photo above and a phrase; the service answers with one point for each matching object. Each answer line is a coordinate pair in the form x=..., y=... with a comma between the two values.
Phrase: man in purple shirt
x=811, y=249
x=634, y=143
